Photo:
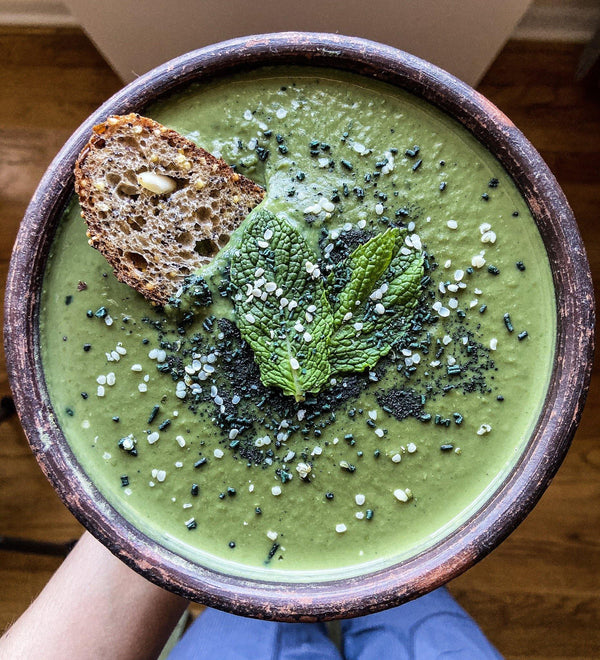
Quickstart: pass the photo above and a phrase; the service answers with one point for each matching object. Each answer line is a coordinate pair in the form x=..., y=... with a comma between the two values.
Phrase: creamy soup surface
x=168, y=412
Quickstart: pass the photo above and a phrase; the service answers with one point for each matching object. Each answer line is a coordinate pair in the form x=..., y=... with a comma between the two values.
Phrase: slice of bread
x=156, y=205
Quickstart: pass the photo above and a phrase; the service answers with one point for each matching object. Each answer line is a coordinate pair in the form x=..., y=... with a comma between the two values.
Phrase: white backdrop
x=461, y=36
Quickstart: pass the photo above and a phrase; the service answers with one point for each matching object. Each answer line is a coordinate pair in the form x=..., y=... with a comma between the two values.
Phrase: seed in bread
x=157, y=206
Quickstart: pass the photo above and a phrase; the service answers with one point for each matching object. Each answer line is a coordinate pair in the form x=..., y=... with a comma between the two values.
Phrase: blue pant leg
x=216, y=635
x=431, y=627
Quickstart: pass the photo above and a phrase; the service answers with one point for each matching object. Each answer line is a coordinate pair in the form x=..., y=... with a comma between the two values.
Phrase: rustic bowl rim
x=505, y=508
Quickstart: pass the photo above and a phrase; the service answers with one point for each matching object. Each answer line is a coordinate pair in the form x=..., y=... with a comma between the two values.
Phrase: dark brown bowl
x=513, y=498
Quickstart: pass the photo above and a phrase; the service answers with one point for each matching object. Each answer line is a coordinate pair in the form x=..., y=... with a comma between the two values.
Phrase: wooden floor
x=538, y=594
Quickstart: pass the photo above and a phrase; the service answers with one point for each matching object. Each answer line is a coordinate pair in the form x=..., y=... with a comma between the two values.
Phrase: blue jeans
x=433, y=626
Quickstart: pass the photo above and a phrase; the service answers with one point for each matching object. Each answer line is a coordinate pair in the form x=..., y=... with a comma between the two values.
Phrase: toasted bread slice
x=157, y=206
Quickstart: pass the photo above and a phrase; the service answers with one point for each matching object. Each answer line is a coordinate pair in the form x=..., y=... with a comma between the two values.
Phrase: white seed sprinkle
x=100, y=390
x=101, y=380
x=379, y=308
x=161, y=475
x=359, y=515
x=452, y=224
x=484, y=227
x=453, y=303
x=178, y=464
x=187, y=505
x=218, y=453
x=250, y=318
x=444, y=312
x=478, y=261
x=379, y=209
x=483, y=429
x=303, y=470
x=488, y=237
x=272, y=535
x=276, y=490
x=396, y=458
x=317, y=451
x=142, y=387
x=416, y=241
x=493, y=343
x=153, y=437
x=359, y=498
x=379, y=432
x=110, y=379
x=281, y=113
x=120, y=349
x=400, y=495
x=411, y=448
x=373, y=414
x=233, y=434
x=448, y=263
x=340, y=528
x=294, y=364
x=136, y=367
x=108, y=320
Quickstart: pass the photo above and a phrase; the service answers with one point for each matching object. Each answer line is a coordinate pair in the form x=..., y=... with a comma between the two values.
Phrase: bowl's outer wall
x=512, y=500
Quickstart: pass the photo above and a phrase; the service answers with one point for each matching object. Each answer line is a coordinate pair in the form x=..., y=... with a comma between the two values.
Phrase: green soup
x=379, y=464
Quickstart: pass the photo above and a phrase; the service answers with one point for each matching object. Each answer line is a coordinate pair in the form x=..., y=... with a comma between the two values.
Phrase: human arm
x=94, y=606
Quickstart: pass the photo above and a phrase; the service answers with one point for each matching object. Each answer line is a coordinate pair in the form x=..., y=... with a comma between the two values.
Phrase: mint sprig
x=380, y=321
x=281, y=310
x=300, y=332
x=366, y=264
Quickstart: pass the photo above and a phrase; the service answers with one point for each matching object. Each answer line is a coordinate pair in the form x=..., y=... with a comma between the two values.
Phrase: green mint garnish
x=283, y=311
x=366, y=264
x=288, y=325
x=380, y=320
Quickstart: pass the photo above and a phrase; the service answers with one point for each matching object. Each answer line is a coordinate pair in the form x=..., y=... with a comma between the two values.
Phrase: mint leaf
x=366, y=264
x=281, y=310
x=380, y=322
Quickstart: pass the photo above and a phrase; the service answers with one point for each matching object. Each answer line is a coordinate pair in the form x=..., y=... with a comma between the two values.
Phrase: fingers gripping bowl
x=372, y=174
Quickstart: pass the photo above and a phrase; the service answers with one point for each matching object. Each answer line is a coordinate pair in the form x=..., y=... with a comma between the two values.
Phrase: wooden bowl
x=513, y=498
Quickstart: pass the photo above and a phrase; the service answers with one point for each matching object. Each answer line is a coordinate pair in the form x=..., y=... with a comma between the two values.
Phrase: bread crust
x=153, y=240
